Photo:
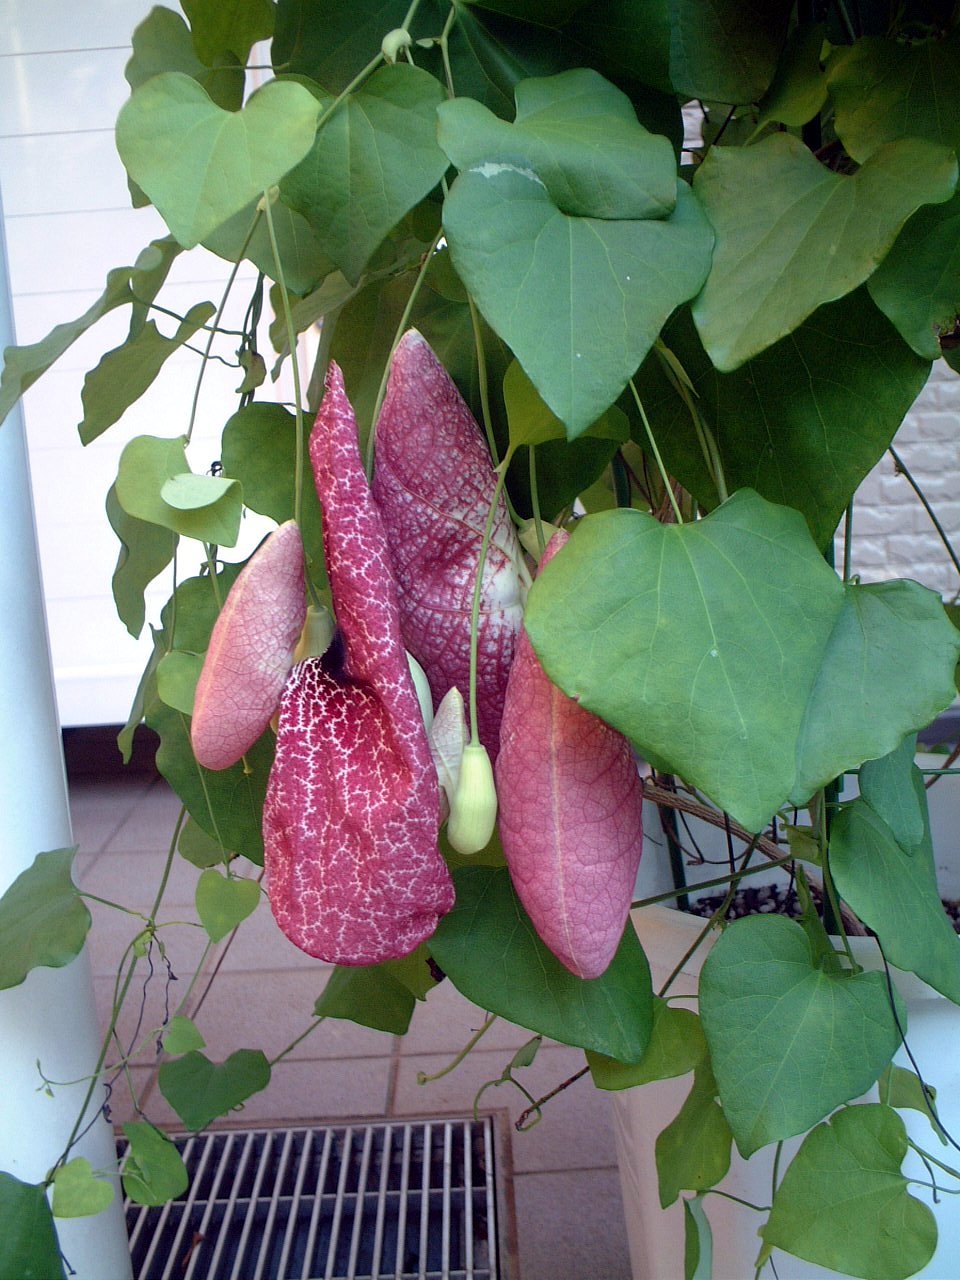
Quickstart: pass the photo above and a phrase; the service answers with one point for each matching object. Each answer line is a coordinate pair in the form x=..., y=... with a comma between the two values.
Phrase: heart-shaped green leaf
x=177, y=676
x=182, y=1036
x=888, y=785
x=370, y=996
x=77, y=1192
x=162, y=42
x=697, y=1241
x=893, y=642
x=125, y=373
x=145, y=550
x=228, y=26
x=843, y=1202
x=224, y=903
x=789, y=1041
x=799, y=87
x=372, y=161
x=200, y=164
x=791, y=235
x=700, y=642
x=28, y=1241
x=676, y=1047
x=489, y=949
x=532, y=423
x=153, y=1171
x=884, y=89
x=200, y=1090
x=693, y=1151
x=579, y=300
x=43, y=919
x=917, y=285
x=199, y=849
x=727, y=51
x=154, y=483
x=894, y=892
x=580, y=136
x=803, y=422
x=303, y=260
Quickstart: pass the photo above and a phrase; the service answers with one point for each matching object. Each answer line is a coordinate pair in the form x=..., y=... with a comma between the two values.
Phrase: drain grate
x=344, y=1202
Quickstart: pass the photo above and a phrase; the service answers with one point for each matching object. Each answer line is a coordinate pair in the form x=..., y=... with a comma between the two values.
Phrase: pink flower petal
x=250, y=651
x=352, y=809
x=434, y=484
x=570, y=814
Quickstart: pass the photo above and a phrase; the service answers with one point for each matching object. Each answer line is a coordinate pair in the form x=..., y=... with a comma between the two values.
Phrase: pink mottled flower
x=434, y=484
x=352, y=809
x=250, y=651
x=570, y=814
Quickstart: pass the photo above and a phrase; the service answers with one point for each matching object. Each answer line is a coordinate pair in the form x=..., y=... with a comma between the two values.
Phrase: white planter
x=656, y=1235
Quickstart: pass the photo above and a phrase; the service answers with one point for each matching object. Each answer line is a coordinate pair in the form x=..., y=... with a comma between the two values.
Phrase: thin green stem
x=423, y=1078
x=718, y=883
x=117, y=906
x=678, y=377
x=175, y=315
x=216, y=323
x=444, y=43
x=477, y=593
x=760, y=1208
x=295, y=364
x=184, y=999
x=401, y=330
x=355, y=83
x=482, y=381
x=848, y=542
x=656, y=453
x=535, y=501
x=778, y=1152
x=299, y=1040
x=954, y=1173
x=904, y=470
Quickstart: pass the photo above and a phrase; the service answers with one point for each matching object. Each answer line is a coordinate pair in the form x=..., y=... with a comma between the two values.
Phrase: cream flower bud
x=473, y=811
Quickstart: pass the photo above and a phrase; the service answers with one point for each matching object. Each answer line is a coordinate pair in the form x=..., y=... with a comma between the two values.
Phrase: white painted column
x=51, y=1016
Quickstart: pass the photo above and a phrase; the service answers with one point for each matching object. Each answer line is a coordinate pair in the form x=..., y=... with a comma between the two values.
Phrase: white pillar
x=51, y=1016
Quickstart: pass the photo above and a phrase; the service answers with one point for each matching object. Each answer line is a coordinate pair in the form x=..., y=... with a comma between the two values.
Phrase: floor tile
x=150, y=823
x=446, y=1020
x=99, y=809
x=570, y=1226
x=269, y=1009
x=131, y=878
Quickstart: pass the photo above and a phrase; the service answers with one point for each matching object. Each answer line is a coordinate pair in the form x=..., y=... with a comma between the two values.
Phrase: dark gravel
x=783, y=900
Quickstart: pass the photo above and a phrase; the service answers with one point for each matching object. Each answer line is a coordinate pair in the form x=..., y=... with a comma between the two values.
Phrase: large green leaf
x=200, y=164
x=580, y=136
x=259, y=449
x=154, y=483
x=917, y=285
x=697, y=1241
x=22, y=366
x=43, y=919
x=162, y=42
x=894, y=892
x=78, y=1192
x=789, y=1040
x=888, y=89
x=791, y=235
x=490, y=950
x=372, y=161
x=303, y=260
x=224, y=902
x=892, y=648
x=803, y=422
x=228, y=26
x=700, y=642
x=799, y=87
x=888, y=785
x=580, y=301
x=145, y=550
x=726, y=51
x=371, y=996
x=125, y=373
x=693, y=1151
x=624, y=39
x=153, y=1171
x=28, y=1238
x=676, y=1046
x=200, y=1090
x=843, y=1202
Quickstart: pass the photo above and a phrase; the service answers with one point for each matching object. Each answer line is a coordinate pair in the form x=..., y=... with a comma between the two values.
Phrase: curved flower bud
x=570, y=814
x=434, y=485
x=250, y=652
x=352, y=809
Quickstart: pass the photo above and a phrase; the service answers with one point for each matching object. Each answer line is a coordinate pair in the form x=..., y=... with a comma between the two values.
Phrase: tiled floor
x=561, y=1176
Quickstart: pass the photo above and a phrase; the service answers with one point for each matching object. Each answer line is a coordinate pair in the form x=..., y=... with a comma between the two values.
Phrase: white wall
x=68, y=220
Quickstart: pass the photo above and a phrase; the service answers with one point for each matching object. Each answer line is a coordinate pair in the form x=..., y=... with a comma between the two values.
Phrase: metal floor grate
x=408, y=1201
